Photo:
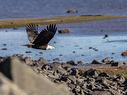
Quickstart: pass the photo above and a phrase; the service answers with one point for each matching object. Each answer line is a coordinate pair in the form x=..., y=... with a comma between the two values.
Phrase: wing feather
x=45, y=35
x=32, y=32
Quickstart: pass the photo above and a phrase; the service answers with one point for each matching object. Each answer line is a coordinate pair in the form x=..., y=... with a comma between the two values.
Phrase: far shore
x=55, y=20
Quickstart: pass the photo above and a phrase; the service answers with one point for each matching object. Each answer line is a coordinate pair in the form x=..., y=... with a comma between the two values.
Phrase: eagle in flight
x=40, y=40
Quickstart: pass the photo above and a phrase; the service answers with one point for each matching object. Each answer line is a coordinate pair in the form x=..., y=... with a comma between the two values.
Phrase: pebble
x=28, y=52
x=96, y=62
x=71, y=62
x=60, y=55
x=91, y=73
x=4, y=49
x=64, y=31
x=41, y=52
x=4, y=44
x=72, y=11
x=73, y=52
x=124, y=53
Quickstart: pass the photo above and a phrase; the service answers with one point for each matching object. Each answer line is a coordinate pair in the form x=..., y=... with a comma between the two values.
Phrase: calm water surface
x=81, y=37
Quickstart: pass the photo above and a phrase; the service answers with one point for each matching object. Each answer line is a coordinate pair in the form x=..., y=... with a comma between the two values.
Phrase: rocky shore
x=97, y=78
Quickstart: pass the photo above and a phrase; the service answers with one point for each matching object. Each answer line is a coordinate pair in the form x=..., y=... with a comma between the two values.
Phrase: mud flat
x=106, y=77
x=54, y=20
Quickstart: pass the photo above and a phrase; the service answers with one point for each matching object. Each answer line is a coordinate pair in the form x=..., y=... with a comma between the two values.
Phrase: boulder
x=72, y=11
x=107, y=60
x=71, y=63
x=116, y=64
x=31, y=82
x=9, y=88
x=91, y=73
x=73, y=72
x=28, y=52
x=64, y=31
x=96, y=62
x=124, y=53
x=103, y=74
x=4, y=49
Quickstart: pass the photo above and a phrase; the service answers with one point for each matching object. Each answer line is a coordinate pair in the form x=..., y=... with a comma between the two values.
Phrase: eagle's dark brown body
x=40, y=40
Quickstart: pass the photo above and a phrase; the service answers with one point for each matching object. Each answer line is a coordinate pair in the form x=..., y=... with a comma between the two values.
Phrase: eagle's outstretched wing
x=32, y=32
x=45, y=36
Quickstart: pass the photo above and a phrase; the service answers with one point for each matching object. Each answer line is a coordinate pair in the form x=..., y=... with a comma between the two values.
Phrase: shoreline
x=54, y=20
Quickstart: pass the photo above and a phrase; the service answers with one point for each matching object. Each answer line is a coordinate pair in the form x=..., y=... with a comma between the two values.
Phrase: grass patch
x=115, y=71
x=54, y=20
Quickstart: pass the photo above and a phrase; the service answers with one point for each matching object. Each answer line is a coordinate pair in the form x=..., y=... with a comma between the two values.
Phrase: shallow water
x=81, y=37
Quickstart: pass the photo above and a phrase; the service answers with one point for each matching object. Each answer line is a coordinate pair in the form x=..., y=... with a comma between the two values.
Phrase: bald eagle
x=40, y=40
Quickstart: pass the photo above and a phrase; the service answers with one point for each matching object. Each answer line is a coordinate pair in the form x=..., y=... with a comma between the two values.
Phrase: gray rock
x=63, y=78
x=64, y=31
x=56, y=59
x=46, y=67
x=95, y=49
x=4, y=49
x=80, y=81
x=71, y=86
x=120, y=79
x=96, y=62
x=72, y=79
x=90, y=47
x=58, y=69
x=73, y=52
x=124, y=53
x=89, y=80
x=107, y=60
x=105, y=83
x=98, y=87
x=29, y=61
x=101, y=93
x=32, y=83
x=116, y=64
x=102, y=83
x=80, y=62
x=40, y=52
x=125, y=85
x=90, y=86
x=82, y=55
x=91, y=73
x=4, y=44
x=61, y=55
x=114, y=92
x=104, y=75
x=77, y=90
x=2, y=59
x=28, y=52
x=71, y=63
x=42, y=61
x=73, y=72
x=7, y=87
x=72, y=11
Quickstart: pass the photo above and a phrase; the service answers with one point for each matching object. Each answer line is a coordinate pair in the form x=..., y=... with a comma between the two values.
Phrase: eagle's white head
x=49, y=47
